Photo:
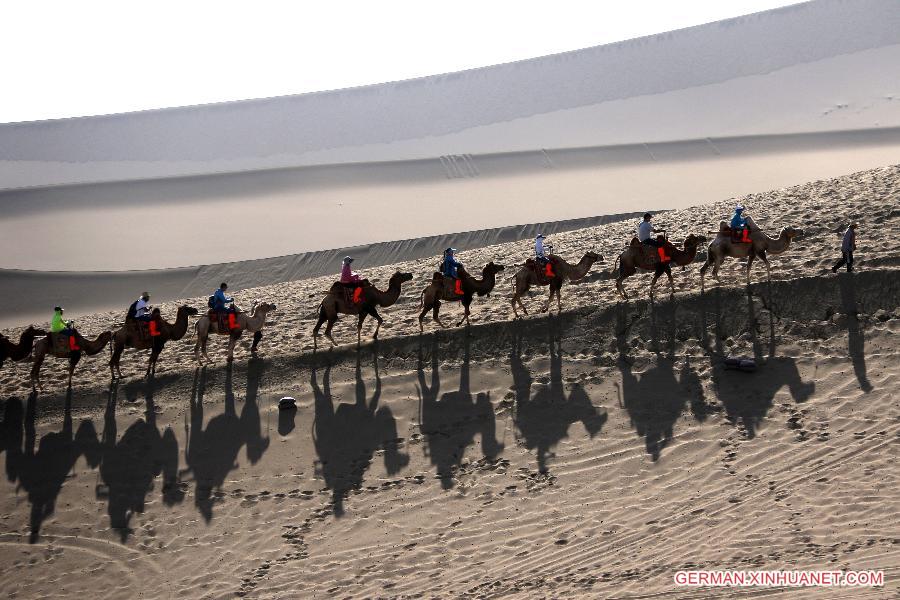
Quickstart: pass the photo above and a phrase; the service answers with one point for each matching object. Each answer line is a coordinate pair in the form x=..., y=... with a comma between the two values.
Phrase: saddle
x=64, y=343
x=225, y=321
x=352, y=293
x=451, y=289
x=650, y=256
x=738, y=236
x=143, y=329
x=544, y=272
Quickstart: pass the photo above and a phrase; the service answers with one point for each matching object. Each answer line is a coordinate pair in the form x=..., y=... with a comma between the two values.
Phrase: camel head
x=266, y=307
x=32, y=330
x=694, y=241
x=400, y=278
x=190, y=310
x=594, y=256
x=792, y=232
x=491, y=269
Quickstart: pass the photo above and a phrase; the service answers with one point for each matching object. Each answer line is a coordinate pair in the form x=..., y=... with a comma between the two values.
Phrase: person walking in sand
x=848, y=245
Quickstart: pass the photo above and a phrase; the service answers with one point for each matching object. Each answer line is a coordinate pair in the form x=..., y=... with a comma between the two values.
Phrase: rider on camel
x=348, y=276
x=740, y=232
x=540, y=254
x=220, y=300
x=449, y=267
x=140, y=309
x=645, y=236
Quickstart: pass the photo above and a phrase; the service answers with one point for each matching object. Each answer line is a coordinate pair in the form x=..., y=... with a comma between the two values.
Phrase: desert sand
x=589, y=453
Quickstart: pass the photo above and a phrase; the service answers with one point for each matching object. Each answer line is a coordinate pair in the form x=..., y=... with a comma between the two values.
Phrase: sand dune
x=590, y=453
x=815, y=66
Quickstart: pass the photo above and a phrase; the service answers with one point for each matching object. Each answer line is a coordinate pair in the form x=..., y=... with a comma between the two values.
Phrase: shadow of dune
x=450, y=423
x=543, y=419
x=347, y=436
x=130, y=465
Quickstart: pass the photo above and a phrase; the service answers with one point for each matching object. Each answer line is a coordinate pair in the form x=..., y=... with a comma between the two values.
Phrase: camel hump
x=635, y=243
x=437, y=277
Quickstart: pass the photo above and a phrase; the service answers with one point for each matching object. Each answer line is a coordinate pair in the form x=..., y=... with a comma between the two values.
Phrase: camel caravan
x=144, y=327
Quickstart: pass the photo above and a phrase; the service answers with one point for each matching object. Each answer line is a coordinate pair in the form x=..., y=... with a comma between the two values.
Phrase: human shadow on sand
x=543, y=420
x=856, y=337
x=656, y=398
x=130, y=465
x=212, y=451
x=42, y=471
x=748, y=397
x=450, y=421
x=347, y=436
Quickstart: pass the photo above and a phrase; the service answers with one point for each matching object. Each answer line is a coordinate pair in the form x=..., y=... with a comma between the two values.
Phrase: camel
x=441, y=288
x=528, y=276
x=45, y=346
x=335, y=303
x=640, y=256
x=723, y=246
x=19, y=351
x=252, y=321
x=128, y=337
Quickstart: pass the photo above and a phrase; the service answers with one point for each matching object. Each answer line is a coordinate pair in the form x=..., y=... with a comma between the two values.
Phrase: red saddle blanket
x=544, y=271
x=452, y=288
x=225, y=321
x=738, y=236
x=145, y=328
x=353, y=293
x=63, y=342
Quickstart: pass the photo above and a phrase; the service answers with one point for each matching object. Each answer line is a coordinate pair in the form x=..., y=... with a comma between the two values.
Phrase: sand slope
x=587, y=454
x=814, y=66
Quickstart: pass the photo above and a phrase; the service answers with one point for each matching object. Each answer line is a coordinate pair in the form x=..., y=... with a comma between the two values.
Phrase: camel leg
x=374, y=312
x=620, y=287
x=36, y=371
x=331, y=321
x=465, y=317
x=515, y=298
x=359, y=324
x=257, y=336
x=425, y=309
x=74, y=357
x=232, y=340
x=671, y=280
x=114, y=361
x=154, y=356
x=322, y=318
x=750, y=258
x=522, y=304
x=436, y=314
x=549, y=298
x=764, y=258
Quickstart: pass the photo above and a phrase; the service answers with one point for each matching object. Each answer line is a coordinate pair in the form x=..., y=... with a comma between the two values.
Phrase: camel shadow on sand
x=656, y=397
x=346, y=437
x=748, y=397
x=544, y=418
x=130, y=465
x=450, y=421
x=212, y=451
x=41, y=468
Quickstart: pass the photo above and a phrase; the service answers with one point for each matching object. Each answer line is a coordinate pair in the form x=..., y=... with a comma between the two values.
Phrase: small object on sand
x=748, y=365
x=287, y=403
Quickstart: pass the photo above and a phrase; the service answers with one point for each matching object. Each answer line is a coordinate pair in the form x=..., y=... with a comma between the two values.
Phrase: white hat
x=540, y=236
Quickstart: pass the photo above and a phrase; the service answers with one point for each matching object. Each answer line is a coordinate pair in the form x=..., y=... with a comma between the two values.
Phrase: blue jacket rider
x=450, y=264
x=221, y=299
